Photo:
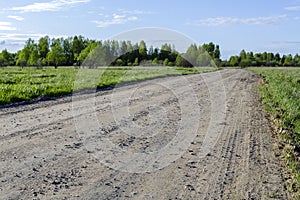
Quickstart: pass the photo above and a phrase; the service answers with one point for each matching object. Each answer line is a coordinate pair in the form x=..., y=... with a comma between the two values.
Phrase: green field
x=28, y=83
x=281, y=97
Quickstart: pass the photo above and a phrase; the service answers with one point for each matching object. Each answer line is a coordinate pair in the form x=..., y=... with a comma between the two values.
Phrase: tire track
x=44, y=158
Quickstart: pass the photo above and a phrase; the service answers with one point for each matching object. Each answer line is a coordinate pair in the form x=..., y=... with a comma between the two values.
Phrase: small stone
x=18, y=175
x=190, y=187
x=56, y=182
x=42, y=192
x=133, y=193
x=35, y=170
x=187, y=175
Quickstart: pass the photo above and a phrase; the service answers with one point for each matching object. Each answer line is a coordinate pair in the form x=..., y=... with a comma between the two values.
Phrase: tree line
x=268, y=59
x=80, y=51
x=77, y=51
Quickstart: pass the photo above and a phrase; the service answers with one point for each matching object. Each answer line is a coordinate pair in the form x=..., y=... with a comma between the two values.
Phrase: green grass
x=18, y=85
x=281, y=97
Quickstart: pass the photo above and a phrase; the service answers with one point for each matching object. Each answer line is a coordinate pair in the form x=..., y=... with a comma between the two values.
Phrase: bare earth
x=42, y=156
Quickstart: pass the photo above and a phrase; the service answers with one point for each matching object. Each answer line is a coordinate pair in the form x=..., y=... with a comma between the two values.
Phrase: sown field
x=25, y=84
x=281, y=97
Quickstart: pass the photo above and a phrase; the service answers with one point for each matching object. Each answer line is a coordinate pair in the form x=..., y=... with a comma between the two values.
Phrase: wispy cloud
x=115, y=20
x=54, y=5
x=6, y=26
x=18, y=39
x=15, y=17
x=222, y=21
x=293, y=8
x=135, y=12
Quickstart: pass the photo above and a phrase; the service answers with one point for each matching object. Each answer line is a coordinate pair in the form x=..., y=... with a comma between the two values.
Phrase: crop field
x=25, y=84
x=281, y=97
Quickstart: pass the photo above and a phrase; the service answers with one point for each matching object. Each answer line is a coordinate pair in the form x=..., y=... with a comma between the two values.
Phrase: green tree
x=288, y=61
x=192, y=54
x=43, y=47
x=243, y=55
x=6, y=58
x=217, y=53
x=204, y=60
x=297, y=60
x=210, y=48
x=22, y=57
x=34, y=56
x=258, y=59
x=24, y=54
x=95, y=55
x=142, y=50
x=166, y=51
x=68, y=51
x=56, y=55
x=78, y=44
x=277, y=58
x=166, y=47
x=234, y=61
x=179, y=61
x=243, y=61
x=166, y=62
x=155, y=61
x=151, y=52
x=87, y=52
x=182, y=62
x=123, y=49
x=115, y=48
x=136, y=62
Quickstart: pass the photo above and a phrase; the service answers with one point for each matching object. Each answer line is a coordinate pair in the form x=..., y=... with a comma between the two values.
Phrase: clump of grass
x=281, y=97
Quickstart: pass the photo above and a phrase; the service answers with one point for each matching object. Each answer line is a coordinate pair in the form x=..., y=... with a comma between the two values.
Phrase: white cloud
x=18, y=18
x=221, y=21
x=6, y=26
x=132, y=18
x=54, y=5
x=292, y=8
x=116, y=16
x=16, y=41
x=134, y=12
x=17, y=38
x=115, y=20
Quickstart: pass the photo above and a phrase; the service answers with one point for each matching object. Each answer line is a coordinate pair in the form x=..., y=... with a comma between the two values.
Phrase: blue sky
x=269, y=25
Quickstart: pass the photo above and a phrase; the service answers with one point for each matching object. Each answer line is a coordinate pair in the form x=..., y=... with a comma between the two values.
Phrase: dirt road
x=46, y=154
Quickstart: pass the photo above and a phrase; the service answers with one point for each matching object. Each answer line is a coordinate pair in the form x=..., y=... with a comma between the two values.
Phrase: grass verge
x=280, y=95
x=28, y=83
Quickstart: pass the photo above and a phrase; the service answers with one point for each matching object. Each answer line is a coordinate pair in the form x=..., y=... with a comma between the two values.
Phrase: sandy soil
x=111, y=144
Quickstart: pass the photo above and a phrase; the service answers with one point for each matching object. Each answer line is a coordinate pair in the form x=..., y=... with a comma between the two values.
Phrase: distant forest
x=79, y=51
